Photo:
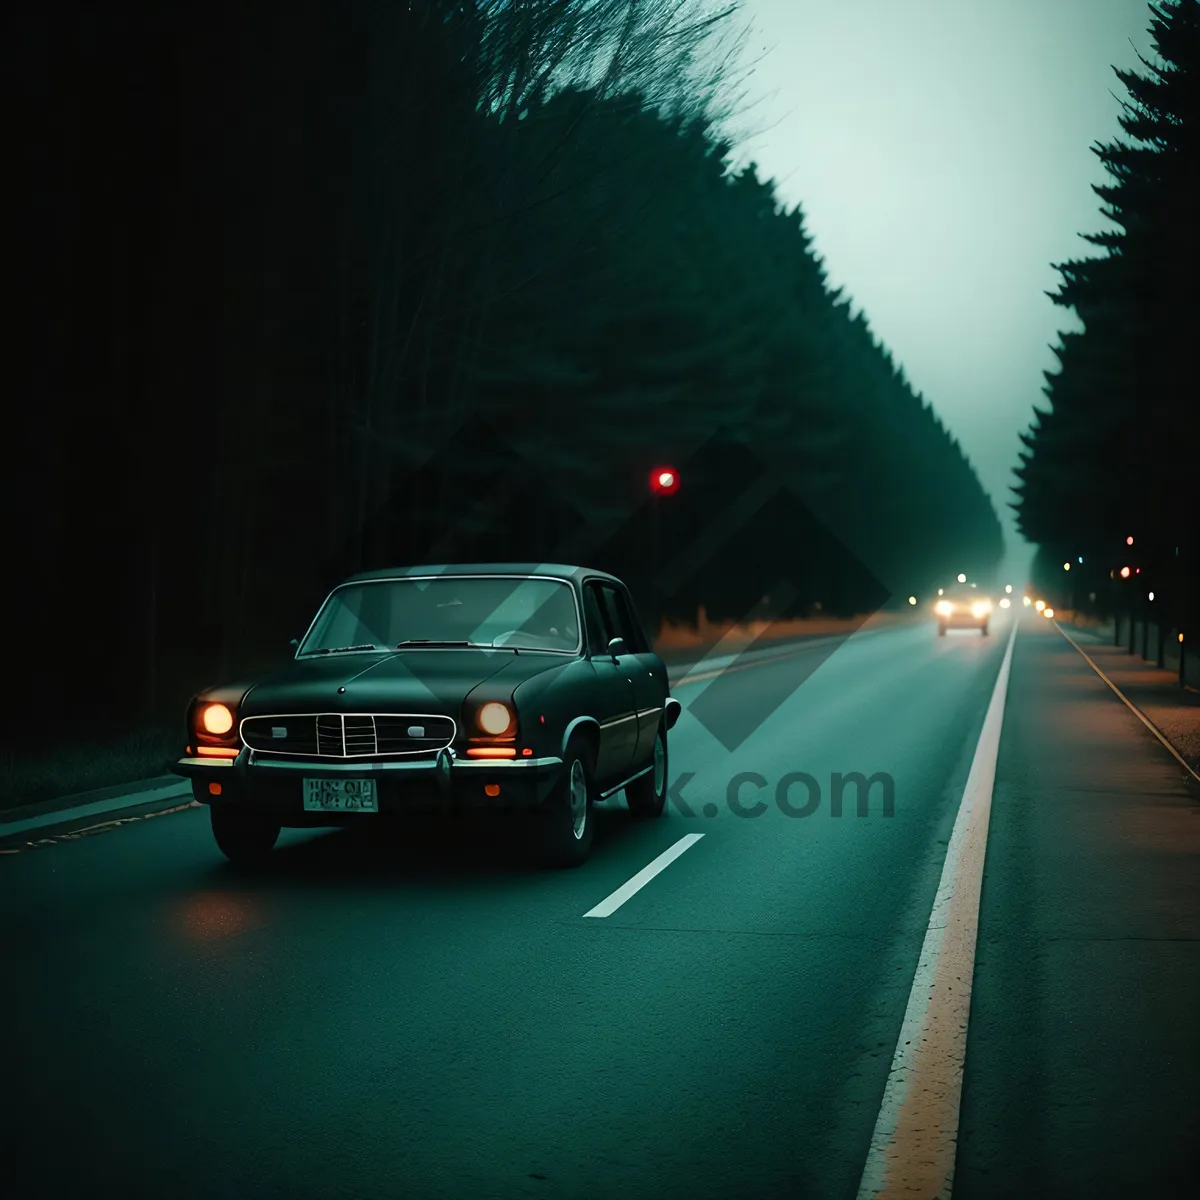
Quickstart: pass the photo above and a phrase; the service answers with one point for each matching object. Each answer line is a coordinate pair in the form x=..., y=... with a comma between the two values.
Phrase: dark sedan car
x=530, y=689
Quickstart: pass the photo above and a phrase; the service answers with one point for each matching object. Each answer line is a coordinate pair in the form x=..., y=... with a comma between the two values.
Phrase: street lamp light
x=962, y=579
x=664, y=481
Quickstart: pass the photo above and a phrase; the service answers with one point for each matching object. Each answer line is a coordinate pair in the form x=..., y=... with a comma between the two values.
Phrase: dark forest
x=300, y=284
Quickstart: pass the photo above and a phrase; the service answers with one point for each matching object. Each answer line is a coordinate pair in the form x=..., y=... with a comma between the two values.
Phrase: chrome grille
x=329, y=735
x=349, y=735
x=359, y=734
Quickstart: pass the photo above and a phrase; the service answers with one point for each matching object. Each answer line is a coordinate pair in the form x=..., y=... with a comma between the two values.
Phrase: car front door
x=610, y=697
x=645, y=672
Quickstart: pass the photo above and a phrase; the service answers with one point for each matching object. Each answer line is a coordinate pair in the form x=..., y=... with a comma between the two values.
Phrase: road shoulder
x=1081, y=1076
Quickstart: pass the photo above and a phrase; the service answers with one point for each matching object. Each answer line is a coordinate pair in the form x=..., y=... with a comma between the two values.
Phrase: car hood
x=426, y=681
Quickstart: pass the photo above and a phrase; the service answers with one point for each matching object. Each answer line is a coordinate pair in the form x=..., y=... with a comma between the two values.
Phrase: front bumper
x=446, y=784
x=963, y=620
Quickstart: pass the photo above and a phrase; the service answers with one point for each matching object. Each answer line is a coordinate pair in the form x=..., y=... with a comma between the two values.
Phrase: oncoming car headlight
x=981, y=608
x=494, y=718
x=943, y=608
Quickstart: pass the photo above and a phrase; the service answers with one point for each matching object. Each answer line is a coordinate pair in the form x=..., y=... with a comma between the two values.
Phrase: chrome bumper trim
x=359, y=768
x=504, y=763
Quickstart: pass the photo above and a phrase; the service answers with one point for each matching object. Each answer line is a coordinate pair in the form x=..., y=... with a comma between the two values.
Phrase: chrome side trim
x=612, y=790
x=205, y=762
x=618, y=721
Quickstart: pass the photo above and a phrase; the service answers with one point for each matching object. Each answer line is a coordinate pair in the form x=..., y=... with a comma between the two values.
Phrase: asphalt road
x=430, y=1018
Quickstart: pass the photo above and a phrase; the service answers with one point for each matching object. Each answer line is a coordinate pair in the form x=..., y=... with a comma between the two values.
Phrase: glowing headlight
x=1040, y=605
x=943, y=608
x=1005, y=602
x=981, y=608
x=1047, y=612
x=216, y=719
x=494, y=718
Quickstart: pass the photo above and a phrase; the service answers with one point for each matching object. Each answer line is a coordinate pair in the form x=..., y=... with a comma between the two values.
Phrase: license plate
x=340, y=795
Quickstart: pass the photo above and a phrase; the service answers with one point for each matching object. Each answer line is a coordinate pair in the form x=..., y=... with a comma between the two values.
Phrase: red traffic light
x=664, y=481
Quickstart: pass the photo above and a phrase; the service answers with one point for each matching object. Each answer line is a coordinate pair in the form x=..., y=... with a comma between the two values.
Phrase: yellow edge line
x=1133, y=708
x=89, y=830
x=914, y=1142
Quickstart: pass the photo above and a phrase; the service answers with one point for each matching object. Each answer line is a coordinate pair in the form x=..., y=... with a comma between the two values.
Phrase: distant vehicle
x=963, y=606
x=527, y=689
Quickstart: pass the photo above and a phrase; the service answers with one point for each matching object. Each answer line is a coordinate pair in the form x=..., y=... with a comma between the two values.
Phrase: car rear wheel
x=245, y=838
x=941, y=631
x=646, y=796
x=566, y=824
x=984, y=629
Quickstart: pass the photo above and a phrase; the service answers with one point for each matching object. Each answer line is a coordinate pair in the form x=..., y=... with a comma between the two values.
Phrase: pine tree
x=1116, y=448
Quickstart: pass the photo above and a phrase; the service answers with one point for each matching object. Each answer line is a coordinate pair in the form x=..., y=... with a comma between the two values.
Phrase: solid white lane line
x=912, y=1147
x=610, y=905
x=1133, y=708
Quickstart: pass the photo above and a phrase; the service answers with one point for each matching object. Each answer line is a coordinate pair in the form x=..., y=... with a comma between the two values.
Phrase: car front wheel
x=566, y=824
x=245, y=838
x=941, y=631
x=646, y=796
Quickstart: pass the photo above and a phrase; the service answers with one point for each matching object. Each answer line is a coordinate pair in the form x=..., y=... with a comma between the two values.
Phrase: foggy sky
x=940, y=151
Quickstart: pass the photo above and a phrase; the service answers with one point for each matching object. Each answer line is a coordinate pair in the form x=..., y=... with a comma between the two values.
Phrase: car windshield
x=481, y=610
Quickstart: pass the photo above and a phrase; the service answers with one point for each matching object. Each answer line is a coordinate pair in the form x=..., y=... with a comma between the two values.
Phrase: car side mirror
x=616, y=647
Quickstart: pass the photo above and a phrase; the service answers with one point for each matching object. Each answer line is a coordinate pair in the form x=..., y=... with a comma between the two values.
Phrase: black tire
x=984, y=629
x=646, y=796
x=245, y=838
x=564, y=832
x=941, y=631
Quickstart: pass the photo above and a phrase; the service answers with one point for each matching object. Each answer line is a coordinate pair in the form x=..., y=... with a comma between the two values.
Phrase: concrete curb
x=167, y=790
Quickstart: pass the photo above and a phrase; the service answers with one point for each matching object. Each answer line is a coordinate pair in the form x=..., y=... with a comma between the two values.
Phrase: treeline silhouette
x=1110, y=477
x=277, y=262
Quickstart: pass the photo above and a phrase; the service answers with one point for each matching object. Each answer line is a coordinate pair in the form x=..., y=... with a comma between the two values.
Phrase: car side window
x=639, y=643
x=594, y=620
x=618, y=618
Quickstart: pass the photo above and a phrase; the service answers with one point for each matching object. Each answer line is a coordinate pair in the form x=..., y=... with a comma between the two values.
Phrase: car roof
x=553, y=570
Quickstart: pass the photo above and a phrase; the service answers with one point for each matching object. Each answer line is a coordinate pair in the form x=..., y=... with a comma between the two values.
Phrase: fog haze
x=940, y=150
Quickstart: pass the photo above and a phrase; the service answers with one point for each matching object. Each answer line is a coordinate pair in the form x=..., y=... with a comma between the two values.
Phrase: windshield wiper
x=438, y=642
x=343, y=649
